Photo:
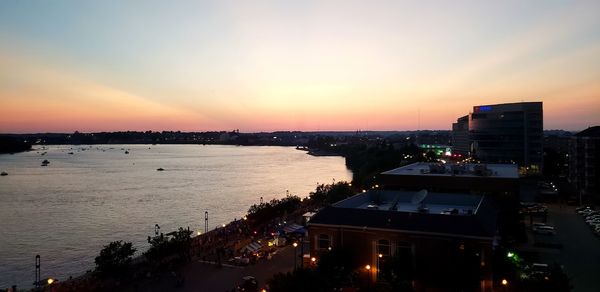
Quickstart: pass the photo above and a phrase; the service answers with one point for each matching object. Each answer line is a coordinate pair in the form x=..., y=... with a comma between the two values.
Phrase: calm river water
x=69, y=209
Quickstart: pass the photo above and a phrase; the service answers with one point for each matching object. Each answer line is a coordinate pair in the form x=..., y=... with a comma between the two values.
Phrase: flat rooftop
x=457, y=169
x=448, y=214
x=404, y=201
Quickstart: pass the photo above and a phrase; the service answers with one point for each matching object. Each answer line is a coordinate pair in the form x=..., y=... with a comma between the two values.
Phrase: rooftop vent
x=482, y=170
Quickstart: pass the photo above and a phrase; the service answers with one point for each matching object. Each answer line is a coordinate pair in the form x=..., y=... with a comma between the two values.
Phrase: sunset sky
x=292, y=65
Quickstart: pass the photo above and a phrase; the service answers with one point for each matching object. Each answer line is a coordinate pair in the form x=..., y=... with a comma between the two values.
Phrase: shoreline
x=23, y=281
x=217, y=247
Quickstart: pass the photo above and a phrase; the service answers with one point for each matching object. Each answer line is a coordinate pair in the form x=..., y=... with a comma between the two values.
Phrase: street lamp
x=379, y=258
x=295, y=255
x=37, y=271
x=205, y=221
x=302, y=251
x=368, y=268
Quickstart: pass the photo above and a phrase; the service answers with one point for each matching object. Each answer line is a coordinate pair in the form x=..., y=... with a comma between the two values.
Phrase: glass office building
x=508, y=133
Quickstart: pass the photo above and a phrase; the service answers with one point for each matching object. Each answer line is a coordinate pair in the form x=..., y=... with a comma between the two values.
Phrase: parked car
x=533, y=209
x=586, y=212
x=582, y=208
x=545, y=229
x=537, y=270
x=248, y=283
x=593, y=222
x=593, y=217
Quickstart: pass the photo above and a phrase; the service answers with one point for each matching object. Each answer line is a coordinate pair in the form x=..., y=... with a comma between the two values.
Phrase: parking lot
x=580, y=253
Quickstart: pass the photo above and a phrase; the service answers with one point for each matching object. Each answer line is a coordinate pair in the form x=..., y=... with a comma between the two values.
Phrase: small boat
x=160, y=169
x=45, y=162
x=4, y=173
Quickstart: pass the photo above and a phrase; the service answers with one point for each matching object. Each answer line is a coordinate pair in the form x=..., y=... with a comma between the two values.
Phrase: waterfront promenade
x=201, y=276
x=207, y=265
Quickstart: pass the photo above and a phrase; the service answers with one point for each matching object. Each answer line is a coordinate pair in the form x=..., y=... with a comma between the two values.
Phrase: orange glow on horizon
x=322, y=67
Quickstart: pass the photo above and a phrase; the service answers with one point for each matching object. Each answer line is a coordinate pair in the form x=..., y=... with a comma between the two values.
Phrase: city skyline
x=268, y=66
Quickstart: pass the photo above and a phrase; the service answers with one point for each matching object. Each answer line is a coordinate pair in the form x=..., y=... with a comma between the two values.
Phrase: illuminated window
x=324, y=241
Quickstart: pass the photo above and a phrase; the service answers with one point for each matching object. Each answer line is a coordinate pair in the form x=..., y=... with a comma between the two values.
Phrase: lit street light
x=379, y=258
x=368, y=268
x=295, y=255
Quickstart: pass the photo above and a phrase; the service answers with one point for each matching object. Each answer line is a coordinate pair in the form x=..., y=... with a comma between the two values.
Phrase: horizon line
x=252, y=132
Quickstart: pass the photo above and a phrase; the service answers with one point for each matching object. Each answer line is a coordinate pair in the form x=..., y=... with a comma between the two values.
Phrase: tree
x=331, y=193
x=275, y=208
x=181, y=241
x=114, y=258
x=159, y=248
